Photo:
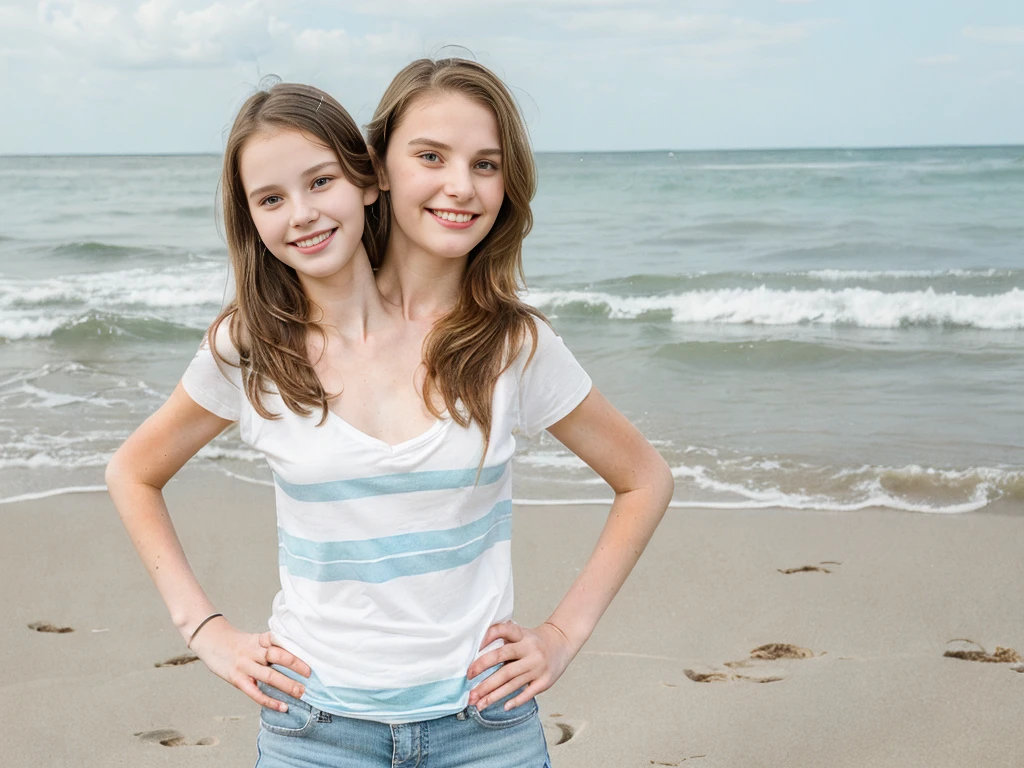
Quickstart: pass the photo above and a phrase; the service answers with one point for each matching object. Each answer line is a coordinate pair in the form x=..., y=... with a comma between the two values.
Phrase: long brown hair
x=270, y=315
x=468, y=349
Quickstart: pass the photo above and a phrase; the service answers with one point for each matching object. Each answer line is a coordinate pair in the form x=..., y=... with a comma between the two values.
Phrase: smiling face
x=308, y=214
x=443, y=169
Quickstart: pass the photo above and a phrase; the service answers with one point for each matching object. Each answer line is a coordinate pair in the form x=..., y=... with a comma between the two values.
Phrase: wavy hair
x=270, y=315
x=470, y=347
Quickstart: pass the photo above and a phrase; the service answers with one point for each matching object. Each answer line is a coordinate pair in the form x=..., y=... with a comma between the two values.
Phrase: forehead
x=272, y=156
x=448, y=117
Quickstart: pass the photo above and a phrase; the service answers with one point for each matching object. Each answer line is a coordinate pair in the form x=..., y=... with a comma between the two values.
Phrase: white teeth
x=459, y=218
x=313, y=240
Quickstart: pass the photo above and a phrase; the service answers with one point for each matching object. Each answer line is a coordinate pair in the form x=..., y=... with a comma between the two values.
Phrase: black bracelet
x=201, y=625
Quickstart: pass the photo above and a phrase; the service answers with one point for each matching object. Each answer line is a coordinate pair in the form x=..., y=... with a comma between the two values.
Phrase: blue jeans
x=304, y=736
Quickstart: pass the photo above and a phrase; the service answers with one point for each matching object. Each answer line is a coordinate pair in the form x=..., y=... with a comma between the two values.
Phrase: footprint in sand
x=676, y=762
x=558, y=730
x=177, y=661
x=756, y=670
x=45, y=626
x=810, y=568
x=968, y=650
x=168, y=737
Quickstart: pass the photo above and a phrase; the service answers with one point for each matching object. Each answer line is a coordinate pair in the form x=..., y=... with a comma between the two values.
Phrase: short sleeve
x=213, y=384
x=551, y=385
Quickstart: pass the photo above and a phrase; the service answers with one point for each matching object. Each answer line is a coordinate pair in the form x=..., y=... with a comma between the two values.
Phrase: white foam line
x=969, y=506
x=55, y=492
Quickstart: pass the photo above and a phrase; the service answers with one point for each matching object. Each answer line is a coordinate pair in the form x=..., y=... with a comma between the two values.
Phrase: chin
x=458, y=250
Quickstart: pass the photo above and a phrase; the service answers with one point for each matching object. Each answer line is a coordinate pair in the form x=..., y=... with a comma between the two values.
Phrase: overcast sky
x=107, y=76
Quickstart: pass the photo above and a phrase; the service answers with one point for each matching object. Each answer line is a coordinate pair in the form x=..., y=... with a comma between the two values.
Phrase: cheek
x=495, y=196
x=408, y=186
x=263, y=223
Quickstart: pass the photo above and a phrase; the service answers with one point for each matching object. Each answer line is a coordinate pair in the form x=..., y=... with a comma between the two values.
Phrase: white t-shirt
x=394, y=559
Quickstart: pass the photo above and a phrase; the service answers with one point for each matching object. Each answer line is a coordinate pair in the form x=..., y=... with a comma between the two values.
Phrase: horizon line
x=822, y=148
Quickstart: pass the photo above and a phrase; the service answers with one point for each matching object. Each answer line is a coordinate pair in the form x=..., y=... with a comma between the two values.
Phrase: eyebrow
x=308, y=172
x=445, y=148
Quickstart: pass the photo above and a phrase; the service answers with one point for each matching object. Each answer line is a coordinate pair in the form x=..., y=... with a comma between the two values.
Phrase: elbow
x=666, y=482
x=658, y=480
x=117, y=475
x=112, y=474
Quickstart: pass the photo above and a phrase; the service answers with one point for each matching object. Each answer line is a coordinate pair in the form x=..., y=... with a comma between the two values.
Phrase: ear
x=382, y=174
x=370, y=195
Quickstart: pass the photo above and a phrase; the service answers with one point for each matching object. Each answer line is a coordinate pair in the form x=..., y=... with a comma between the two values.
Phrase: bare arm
x=601, y=436
x=136, y=475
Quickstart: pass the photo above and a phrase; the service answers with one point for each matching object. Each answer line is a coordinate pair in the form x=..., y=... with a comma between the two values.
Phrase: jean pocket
x=495, y=715
x=298, y=720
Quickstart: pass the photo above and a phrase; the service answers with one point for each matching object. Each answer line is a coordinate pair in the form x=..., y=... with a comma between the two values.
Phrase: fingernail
x=508, y=706
x=283, y=707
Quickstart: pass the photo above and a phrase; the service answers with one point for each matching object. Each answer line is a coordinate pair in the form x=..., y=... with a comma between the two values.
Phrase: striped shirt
x=394, y=559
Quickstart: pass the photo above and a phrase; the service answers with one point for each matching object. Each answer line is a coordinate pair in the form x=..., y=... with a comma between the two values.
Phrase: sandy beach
x=872, y=623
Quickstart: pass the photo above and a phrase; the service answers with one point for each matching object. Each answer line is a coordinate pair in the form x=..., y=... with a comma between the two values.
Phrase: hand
x=242, y=659
x=534, y=658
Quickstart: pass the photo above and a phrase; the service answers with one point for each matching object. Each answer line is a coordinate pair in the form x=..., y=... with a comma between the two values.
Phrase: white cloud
x=937, y=61
x=997, y=35
x=158, y=33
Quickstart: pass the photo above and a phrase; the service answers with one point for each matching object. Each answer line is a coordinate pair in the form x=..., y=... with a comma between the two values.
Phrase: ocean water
x=820, y=329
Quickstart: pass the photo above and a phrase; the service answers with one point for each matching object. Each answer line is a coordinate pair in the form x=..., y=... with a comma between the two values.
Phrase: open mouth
x=315, y=239
x=453, y=217
x=314, y=243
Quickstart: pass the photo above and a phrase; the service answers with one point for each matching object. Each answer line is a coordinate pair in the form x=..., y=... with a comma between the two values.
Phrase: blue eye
x=322, y=181
x=430, y=157
x=270, y=200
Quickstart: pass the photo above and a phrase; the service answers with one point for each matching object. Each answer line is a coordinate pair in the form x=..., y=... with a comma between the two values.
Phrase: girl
x=295, y=184
x=456, y=177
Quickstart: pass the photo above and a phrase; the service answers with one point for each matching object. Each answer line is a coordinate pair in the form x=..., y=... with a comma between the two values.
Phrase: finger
x=537, y=686
x=502, y=655
x=493, y=681
x=275, y=679
x=507, y=689
x=506, y=630
x=265, y=640
x=284, y=683
x=248, y=686
x=282, y=658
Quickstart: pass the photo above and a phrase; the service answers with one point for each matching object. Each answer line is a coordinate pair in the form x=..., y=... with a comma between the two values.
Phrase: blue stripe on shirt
x=382, y=485
x=390, y=557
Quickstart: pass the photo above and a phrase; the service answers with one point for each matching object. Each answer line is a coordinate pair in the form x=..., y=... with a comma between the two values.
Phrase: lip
x=453, y=224
x=319, y=246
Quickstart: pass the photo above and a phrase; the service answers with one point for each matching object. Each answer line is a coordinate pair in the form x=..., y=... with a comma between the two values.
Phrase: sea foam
x=858, y=307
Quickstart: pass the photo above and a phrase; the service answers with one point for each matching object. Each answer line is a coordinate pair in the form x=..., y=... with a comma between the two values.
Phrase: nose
x=303, y=213
x=459, y=182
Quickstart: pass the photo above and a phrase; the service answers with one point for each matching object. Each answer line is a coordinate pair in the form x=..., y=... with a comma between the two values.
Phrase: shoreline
x=891, y=590
x=996, y=506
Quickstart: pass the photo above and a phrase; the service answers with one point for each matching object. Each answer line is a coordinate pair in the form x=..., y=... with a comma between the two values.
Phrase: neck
x=348, y=301
x=424, y=285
